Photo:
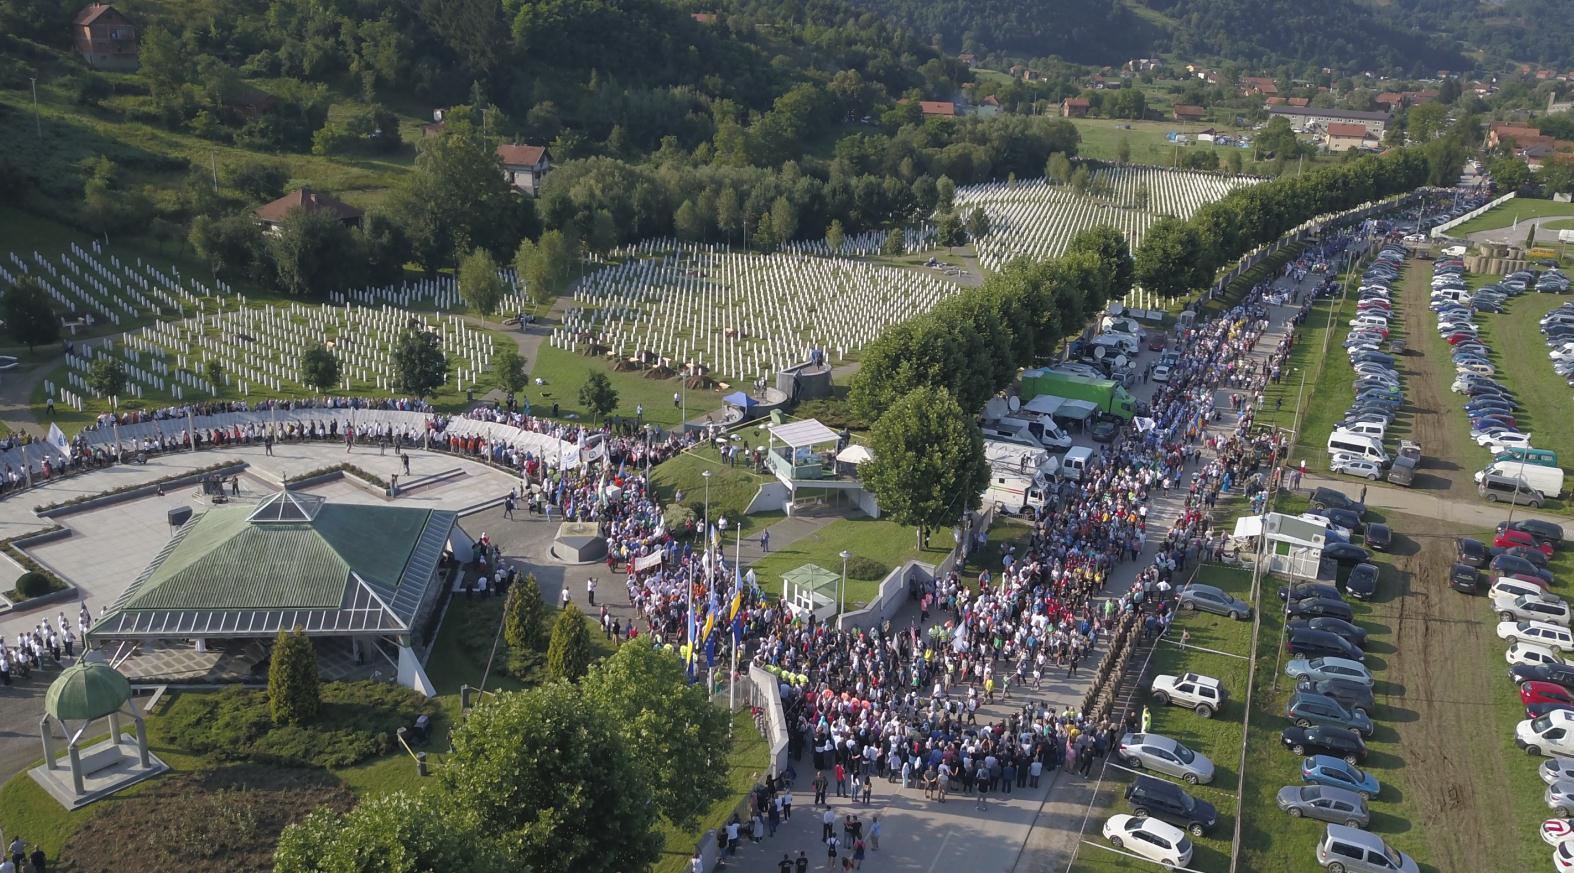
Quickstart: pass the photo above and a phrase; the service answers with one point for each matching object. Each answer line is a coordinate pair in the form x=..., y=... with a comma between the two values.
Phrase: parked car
x=1151, y=797
x=1324, y=803
x=1522, y=652
x=1329, y=668
x=1362, y=581
x=1334, y=772
x=1530, y=607
x=1509, y=565
x=1552, y=636
x=1307, y=709
x=1164, y=755
x=1562, y=674
x=1152, y=839
x=1560, y=797
x=1509, y=538
x=1315, y=643
x=1354, y=633
x=1465, y=578
x=1379, y=537
x=1355, y=696
x=1542, y=531
x=1321, y=739
x=1544, y=692
x=1191, y=690
x=1337, y=499
x=1305, y=590
x=1555, y=768
x=1312, y=607
x=1472, y=552
x=1345, y=553
x=1348, y=850
x=1208, y=598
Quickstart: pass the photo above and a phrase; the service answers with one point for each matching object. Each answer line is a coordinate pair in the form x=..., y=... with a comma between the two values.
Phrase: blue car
x=1335, y=773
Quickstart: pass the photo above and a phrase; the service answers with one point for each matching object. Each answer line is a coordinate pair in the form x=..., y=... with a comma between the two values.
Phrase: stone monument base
x=579, y=542
x=107, y=767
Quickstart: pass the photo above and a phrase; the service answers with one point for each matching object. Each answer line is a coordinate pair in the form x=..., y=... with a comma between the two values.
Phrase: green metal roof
x=86, y=690
x=227, y=561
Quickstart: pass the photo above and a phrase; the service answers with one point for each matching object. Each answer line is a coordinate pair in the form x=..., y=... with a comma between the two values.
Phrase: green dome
x=86, y=691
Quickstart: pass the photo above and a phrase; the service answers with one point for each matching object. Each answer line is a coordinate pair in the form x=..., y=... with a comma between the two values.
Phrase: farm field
x=1101, y=139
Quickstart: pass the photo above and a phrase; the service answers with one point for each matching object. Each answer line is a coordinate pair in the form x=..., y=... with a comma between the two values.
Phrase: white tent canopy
x=854, y=454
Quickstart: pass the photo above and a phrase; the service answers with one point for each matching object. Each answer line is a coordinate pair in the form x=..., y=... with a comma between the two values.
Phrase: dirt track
x=1427, y=373
x=1444, y=680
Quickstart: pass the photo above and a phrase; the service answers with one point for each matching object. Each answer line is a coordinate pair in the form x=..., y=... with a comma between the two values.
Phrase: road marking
x=940, y=853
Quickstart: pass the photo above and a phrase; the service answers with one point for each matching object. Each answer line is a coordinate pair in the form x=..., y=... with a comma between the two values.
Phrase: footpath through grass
x=1518, y=209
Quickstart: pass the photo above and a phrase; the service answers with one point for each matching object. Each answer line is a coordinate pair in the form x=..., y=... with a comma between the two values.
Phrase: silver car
x=1560, y=798
x=1164, y=755
x=1556, y=768
x=1217, y=601
x=1325, y=803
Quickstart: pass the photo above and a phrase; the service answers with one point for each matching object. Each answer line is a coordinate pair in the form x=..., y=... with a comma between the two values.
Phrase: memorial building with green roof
x=362, y=573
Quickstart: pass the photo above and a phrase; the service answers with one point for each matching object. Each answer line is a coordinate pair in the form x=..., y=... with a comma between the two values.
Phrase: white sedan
x=1161, y=373
x=1352, y=466
x=1502, y=436
x=1154, y=840
x=1510, y=440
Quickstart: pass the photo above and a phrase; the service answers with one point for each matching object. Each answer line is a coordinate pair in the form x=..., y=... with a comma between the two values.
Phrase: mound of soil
x=224, y=820
x=660, y=371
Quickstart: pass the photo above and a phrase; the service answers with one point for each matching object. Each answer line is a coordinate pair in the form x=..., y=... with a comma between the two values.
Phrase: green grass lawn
x=732, y=488
x=564, y=372
x=1551, y=226
x=748, y=762
x=1518, y=209
x=1328, y=375
x=1219, y=738
x=464, y=644
x=1518, y=350
x=1101, y=140
x=884, y=542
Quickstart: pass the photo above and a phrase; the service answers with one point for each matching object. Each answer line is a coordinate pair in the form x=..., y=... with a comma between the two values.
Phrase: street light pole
x=38, y=123
x=841, y=592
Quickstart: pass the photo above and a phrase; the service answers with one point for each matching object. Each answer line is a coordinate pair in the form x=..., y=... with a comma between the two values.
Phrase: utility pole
x=38, y=124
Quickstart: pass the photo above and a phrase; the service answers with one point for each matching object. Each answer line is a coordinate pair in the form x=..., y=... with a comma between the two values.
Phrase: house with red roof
x=525, y=166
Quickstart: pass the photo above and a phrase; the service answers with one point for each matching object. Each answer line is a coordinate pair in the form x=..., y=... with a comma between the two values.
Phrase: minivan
x=1076, y=461
x=1539, y=457
x=1551, y=734
x=1344, y=849
x=1362, y=446
x=1497, y=488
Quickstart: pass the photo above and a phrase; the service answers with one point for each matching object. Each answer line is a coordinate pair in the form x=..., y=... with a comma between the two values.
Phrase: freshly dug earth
x=225, y=820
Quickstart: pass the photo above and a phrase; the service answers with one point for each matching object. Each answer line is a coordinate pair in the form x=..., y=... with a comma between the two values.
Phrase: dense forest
x=1406, y=37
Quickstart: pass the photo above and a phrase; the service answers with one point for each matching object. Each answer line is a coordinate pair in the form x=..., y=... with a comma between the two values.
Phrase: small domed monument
x=84, y=693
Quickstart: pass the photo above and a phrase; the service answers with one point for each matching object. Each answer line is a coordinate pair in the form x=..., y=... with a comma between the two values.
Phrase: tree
x=313, y=253
x=784, y=219
x=1123, y=151
x=835, y=236
x=1426, y=121
x=1058, y=168
x=294, y=696
x=764, y=234
x=568, y=652
x=29, y=317
x=1530, y=238
x=402, y=832
x=1234, y=162
x=458, y=198
x=604, y=233
x=928, y=467
x=948, y=230
x=728, y=211
x=597, y=395
x=1169, y=261
x=106, y=376
x=479, y=282
x=508, y=368
x=688, y=223
x=524, y=615
x=214, y=372
x=945, y=194
x=1081, y=179
x=259, y=181
x=420, y=367
x=1141, y=196
x=533, y=768
x=231, y=244
x=978, y=223
x=546, y=266
x=895, y=243
x=677, y=737
x=1116, y=269
x=319, y=369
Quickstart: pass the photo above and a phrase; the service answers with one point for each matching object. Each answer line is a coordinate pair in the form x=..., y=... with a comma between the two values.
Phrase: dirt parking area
x=1437, y=418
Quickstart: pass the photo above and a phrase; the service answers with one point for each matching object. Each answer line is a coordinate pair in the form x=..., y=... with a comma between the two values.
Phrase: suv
x=1193, y=691
x=1336, y=499
x=1350, y=850
x=1306, y=709
x=1157, y=798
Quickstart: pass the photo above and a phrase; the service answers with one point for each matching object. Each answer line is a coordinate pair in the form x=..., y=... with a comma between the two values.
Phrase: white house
x=525, y=166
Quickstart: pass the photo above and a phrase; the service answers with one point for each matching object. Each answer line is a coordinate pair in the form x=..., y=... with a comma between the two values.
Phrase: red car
x=1459, y=336
x=1510, y=538
x=1157, y=341
x=1544, y=692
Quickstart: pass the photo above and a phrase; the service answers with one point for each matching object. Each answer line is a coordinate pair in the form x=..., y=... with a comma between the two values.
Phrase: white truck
x=1191, y=690
x=1020, y=477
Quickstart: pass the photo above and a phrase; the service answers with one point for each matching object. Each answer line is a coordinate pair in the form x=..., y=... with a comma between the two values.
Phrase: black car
x=1313, y=607
x=1379, y=537
x=1322, y=739
x=1319, y=644
x=1472, y=552
x=1353, y=695
x=1509, y=565
x=1309, y=589
x=1537, y=710
x=1527, y=553
x=1332, y=497
x=1342, y=517
x=1558, y=674
x=1362, y=581
x=1104, y=430
x=1164, y=800
x=1541, y=531
x=1354, y=633
x=1346, y=553
x=1465, y=578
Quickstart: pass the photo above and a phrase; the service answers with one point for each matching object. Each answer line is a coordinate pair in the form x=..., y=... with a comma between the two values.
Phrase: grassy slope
x=732, y=488
x=563, y=372
x=1519, y=351
x=885, y=542
x=1520, y=208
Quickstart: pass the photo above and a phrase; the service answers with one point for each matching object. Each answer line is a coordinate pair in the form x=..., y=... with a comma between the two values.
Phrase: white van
x=1376, y=429
x=1362, y=446
x=1076, y=462
x=1369, y=321
x=1014, y=493
x=1551, y=734
x=1117, y=343
x=1546, y=480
